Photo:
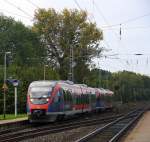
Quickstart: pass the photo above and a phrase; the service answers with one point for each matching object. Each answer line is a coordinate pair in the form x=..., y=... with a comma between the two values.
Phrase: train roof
x=42, y=83
x=65, y=84
x=49, y=83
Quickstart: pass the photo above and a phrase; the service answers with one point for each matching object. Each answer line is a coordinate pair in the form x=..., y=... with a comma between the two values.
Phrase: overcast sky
x=133, y=15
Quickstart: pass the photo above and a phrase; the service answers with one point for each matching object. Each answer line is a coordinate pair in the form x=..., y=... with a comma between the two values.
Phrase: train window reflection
x=40, y=92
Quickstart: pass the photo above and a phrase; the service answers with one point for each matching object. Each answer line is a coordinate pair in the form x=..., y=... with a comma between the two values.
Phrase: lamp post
x=45, y=70
x=15, y=84
x=5, y=56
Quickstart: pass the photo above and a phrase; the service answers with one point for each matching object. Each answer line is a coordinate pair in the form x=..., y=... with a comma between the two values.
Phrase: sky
x=122, y=51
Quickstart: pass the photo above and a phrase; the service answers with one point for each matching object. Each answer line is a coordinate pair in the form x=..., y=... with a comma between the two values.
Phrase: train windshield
x=40, y=95
x=40, y=92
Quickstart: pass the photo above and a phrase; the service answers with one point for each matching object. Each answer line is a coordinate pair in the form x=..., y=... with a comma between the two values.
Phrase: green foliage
x=12, y=116
x=25, y=75
x=20, y=40
x=61, y=30
x=127, y=86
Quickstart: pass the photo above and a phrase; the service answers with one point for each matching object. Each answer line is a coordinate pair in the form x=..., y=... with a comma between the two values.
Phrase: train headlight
x=31, y=100
x=44, y=96
x=47, y=99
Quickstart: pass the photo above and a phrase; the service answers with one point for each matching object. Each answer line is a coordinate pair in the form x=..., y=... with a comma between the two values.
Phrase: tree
x=20, y=40
x=69, y=28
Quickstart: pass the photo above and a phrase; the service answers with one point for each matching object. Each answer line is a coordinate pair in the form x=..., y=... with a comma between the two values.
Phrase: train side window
x=65, y=96
x=77, y=99
x=68, y=97
x=84, y=99
x=74, y=98
x=87, y=99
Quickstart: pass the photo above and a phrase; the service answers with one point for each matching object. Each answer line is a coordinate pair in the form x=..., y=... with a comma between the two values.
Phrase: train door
x=93, y=101
x=58, y=101
x=98, y=100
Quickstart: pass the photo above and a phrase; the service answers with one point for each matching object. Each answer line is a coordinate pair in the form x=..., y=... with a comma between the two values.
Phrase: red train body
x=49, y=100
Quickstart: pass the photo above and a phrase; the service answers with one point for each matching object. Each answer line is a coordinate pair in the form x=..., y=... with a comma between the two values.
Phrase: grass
x=12, y=116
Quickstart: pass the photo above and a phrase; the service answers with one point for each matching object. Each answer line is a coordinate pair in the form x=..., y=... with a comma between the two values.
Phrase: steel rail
x=42, y=125
x=126, y=128
x=47, y=130
x=107, y=126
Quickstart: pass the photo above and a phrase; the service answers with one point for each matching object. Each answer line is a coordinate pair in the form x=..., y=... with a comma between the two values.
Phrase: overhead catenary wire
x=104, y=18
x=13, y=5
x=105, y=41
x=128, y=28
x=14, y=14
x=123, y=23
x=118, y=36
x=77, y=4
x=35, y=5
x=128, y=21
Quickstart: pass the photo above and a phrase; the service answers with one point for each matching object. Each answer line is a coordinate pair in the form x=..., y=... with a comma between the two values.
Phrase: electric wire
x=35, y=5
x=129, y=28
x=14, y=13
x=8, y=2
x=104, y=18
x=128, y=21
x=105, y=41
x=77, y=4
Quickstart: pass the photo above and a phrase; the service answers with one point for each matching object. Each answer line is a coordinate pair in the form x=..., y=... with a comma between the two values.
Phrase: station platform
x=13, y=120
x=141, y=132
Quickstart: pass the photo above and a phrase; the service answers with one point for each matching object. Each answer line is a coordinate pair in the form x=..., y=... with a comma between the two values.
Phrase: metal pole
x=4, y=109
x=15, y=101
x=44, y=72
x=71, y=72
x=72, y=65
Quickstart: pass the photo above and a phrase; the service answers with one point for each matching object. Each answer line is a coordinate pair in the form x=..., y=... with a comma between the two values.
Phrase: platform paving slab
x=12, y=120
x=141, y=132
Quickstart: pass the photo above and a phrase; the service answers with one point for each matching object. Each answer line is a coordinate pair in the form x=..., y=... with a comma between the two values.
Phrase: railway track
x=10, y=127
x=45, y=130
x=112, y=131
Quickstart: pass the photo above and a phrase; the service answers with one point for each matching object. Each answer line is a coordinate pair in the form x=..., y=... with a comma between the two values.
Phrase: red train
x=49, y=100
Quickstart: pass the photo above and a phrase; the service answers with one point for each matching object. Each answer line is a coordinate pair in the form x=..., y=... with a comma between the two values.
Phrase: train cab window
x=40, y=95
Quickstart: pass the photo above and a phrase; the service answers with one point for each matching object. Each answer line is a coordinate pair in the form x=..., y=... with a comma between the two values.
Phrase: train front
x=38, y=100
